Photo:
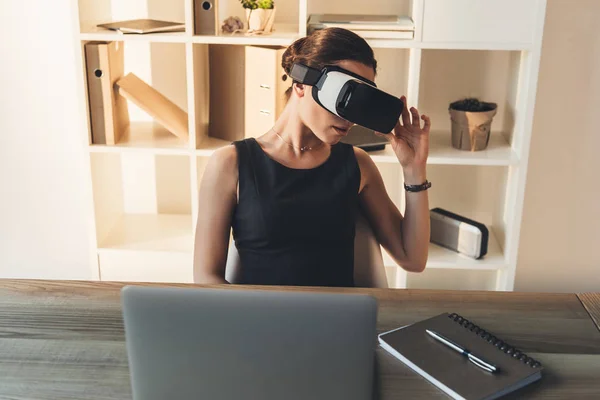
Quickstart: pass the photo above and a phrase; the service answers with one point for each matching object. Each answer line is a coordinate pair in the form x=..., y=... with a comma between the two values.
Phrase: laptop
x=201, y=343
x=364, y=138
x=144, y=26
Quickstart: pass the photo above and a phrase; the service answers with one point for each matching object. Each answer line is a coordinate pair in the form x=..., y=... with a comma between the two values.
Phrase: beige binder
x=264, y=88
x=109, y=115
x=163, y=110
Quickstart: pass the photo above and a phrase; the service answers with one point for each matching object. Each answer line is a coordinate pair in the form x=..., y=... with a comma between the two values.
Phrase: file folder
x=109, y=114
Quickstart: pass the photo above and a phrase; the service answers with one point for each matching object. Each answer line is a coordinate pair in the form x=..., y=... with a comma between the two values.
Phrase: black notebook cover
x=454, y=373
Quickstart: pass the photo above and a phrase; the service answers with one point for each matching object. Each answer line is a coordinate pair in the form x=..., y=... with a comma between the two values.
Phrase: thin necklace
x=303, y=148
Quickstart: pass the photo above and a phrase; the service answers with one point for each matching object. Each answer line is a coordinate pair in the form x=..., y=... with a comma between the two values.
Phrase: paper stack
x=367, y=26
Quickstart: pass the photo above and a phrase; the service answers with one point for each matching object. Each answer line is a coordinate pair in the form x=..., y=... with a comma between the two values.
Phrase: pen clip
x=481, y=365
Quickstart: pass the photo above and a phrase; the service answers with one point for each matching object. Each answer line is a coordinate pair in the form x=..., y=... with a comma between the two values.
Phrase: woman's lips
x=341, y=131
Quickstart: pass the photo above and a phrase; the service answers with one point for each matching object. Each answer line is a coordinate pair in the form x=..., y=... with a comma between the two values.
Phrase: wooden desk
x=591, y=302
x=65, y=340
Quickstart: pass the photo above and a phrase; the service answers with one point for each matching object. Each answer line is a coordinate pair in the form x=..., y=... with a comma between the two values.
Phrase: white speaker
x=205, y=17
x=458, y=233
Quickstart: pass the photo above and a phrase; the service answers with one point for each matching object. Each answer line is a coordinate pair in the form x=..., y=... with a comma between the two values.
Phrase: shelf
x=442, y=258
x=153, y=138
x=282, y=35
x=91, y=32
x=150, y=232
x=393, y=43
x=498, y=152
x=415, y=44
x=473, y=46
x=145, y=136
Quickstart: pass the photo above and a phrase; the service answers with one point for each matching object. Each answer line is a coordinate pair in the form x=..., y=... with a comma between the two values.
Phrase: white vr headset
x=350, y=96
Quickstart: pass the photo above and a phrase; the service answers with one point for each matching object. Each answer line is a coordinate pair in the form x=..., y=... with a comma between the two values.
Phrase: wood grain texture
x=157, y=105
x=591, y=302
x=65, y=340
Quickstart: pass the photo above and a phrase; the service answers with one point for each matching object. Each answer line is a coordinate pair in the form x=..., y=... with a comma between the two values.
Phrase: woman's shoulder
x=223, y=163
x=225, y=155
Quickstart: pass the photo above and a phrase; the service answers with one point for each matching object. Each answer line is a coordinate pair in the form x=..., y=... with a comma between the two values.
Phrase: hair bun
x=291, y=54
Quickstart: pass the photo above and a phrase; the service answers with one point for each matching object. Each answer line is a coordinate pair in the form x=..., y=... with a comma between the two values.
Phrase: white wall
x=560, y=236
x=43, y=226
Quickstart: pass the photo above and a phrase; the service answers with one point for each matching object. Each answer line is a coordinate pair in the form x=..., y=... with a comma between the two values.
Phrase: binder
x=451, y=371
x=206, y=21
x=109, y=115
x=163, y=110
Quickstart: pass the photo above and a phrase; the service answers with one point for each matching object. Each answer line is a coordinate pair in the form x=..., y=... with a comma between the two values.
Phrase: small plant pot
x=260, y=20
x=471, y=124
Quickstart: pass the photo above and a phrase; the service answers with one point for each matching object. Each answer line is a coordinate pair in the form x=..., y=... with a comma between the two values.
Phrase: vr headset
x=350, y=96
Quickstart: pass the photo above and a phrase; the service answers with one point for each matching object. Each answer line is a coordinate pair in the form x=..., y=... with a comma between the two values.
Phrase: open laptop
x=201, y=343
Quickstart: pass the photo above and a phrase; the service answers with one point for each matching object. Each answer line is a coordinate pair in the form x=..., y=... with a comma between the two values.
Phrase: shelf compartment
x=478, y=193
x=285, y=27
x=221, y=89
x=477, y=21
x=142, y=201
x=94, y=12
x=162, y=66
x=498, y=153
x=491, y=76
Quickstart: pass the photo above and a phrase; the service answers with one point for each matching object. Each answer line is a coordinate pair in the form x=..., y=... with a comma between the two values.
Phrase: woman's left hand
x=410, y=140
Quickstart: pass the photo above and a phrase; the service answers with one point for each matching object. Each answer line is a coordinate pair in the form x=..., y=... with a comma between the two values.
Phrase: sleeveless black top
x=296, y=226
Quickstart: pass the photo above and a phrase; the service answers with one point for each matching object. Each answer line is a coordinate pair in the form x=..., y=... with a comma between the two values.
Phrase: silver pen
x=473, y=358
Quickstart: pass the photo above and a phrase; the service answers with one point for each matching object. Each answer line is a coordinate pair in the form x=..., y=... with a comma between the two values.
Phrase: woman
x=292, y=195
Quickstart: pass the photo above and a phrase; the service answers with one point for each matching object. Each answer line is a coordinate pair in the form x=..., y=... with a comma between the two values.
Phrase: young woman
x=291, y=196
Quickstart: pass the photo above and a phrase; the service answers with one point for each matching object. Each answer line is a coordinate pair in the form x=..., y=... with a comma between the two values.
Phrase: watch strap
x=417, y=188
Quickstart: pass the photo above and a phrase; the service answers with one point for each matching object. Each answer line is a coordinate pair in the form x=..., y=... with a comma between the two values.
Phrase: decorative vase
x=471, y=129
x=260, y=20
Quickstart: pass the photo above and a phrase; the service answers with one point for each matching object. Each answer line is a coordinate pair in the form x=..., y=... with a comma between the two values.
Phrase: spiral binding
x=500, y=344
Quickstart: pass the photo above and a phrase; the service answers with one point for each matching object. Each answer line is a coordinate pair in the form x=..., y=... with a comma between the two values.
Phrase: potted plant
x=259, y=15
x=471, y=123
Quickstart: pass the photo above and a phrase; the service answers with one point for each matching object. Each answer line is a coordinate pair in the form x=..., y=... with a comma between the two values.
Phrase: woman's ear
x=299, y=89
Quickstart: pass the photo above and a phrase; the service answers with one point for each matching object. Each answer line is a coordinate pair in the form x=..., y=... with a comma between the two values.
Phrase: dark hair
x=326, y=47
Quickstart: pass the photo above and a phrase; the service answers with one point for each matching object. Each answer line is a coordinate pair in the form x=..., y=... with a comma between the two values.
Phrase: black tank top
x=296, y=226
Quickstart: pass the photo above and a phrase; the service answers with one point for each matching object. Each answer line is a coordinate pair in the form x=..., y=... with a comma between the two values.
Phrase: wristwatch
x=417, y=188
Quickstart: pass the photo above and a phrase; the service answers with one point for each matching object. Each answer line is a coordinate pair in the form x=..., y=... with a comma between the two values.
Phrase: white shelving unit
x=144, y=188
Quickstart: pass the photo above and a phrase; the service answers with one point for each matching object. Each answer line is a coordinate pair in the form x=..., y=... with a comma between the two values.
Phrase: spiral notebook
x=451, y=371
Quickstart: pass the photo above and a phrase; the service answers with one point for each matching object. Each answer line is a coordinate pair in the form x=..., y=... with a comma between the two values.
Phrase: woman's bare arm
x=217, y=200
x=406, y=237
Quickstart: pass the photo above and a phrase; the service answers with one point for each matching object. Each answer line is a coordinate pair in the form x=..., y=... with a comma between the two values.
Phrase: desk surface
x=591, y=302
x=65, y=339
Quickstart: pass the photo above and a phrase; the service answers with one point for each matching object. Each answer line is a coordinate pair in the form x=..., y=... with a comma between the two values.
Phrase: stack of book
x=367, y=26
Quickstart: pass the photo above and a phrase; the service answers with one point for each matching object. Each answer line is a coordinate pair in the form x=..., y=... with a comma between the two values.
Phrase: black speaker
x=205, y=17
